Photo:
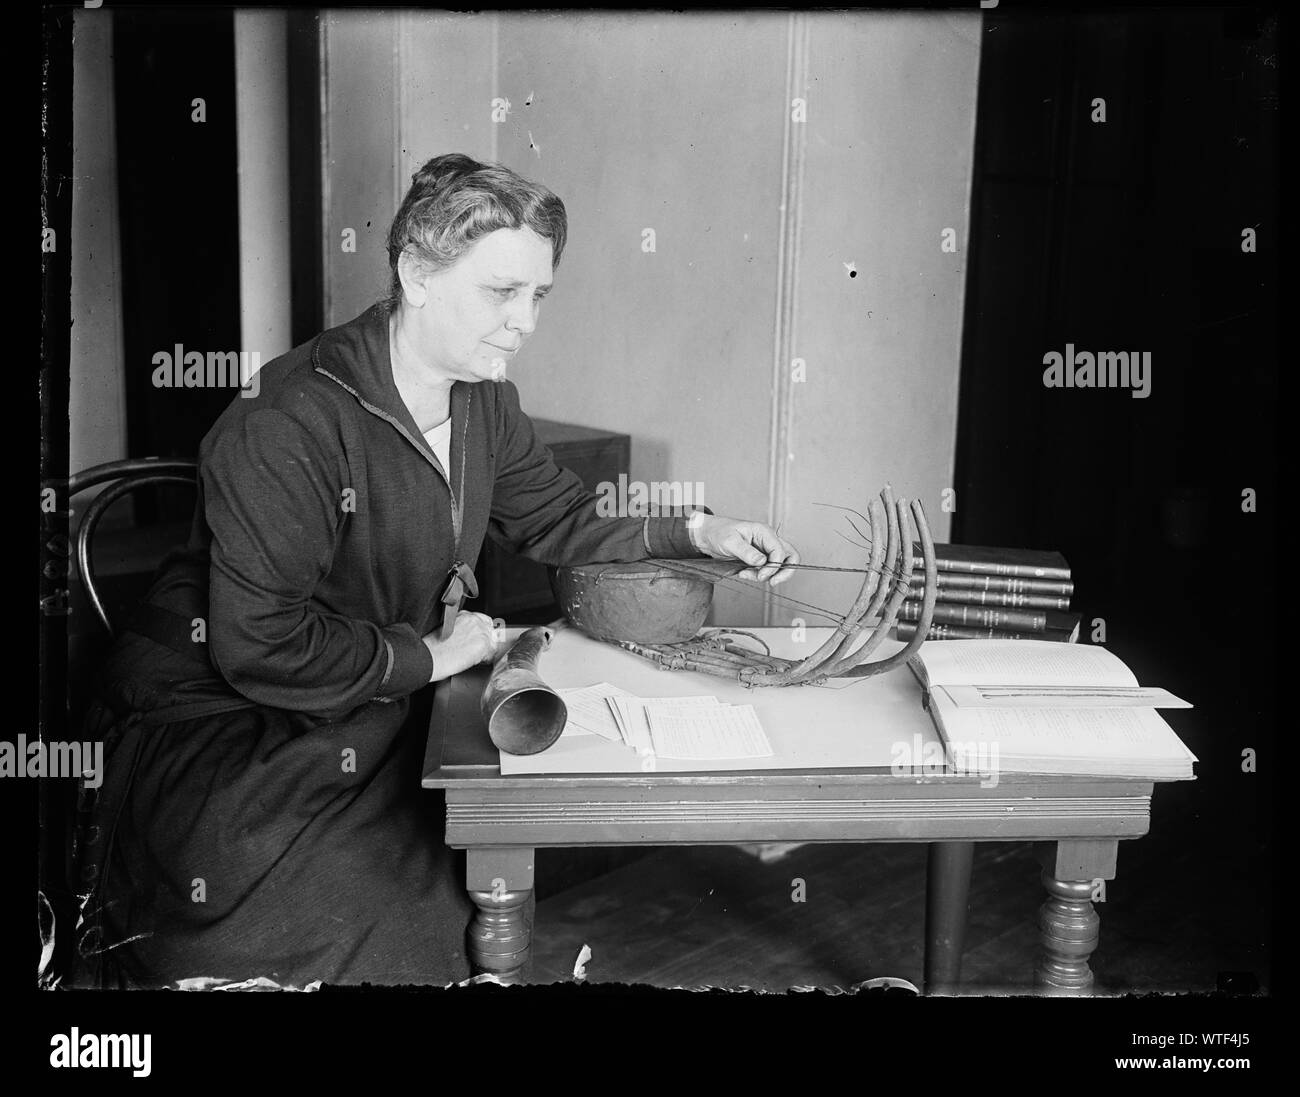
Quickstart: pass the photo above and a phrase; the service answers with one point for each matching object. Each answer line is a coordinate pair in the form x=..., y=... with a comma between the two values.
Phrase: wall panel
x=891, y=114
x=671, y=124
x=682, y=125
x=359, y=139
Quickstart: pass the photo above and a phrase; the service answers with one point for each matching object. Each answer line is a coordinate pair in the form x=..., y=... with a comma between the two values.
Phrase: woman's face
x=476, y=314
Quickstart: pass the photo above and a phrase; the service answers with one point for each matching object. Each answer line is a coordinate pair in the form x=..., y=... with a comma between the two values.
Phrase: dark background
x=179, y=211
x=1127, y=235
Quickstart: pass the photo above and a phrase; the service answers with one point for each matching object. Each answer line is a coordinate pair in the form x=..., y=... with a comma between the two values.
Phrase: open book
x=1033, y=706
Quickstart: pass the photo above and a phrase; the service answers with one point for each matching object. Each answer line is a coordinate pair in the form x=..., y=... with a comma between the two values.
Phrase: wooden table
x=500, y=821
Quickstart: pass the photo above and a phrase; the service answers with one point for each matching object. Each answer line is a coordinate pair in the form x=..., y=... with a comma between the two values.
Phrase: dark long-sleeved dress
x=261, y=813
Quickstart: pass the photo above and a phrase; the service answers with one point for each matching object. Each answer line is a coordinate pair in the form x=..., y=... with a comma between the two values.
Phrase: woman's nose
x=523, y=317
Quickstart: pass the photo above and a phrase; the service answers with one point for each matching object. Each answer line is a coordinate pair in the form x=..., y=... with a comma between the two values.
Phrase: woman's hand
x=752, y=542
x=473, y=640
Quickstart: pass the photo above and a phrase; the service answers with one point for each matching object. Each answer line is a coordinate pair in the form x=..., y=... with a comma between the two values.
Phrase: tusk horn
x=524, y=715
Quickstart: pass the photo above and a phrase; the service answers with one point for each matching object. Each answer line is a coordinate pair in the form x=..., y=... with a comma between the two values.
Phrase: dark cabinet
x=516, y=588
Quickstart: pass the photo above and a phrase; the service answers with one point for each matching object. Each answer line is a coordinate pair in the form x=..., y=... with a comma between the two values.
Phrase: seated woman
x=261, y=813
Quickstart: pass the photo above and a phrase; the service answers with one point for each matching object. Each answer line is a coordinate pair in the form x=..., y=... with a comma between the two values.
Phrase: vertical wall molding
x=784, y=335
x=97, y=379
x=401, y=127
x=496, y=81
x=262, y=137
x=326, y=208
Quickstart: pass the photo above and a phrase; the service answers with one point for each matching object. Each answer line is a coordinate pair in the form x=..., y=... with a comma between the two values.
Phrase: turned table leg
x=500, y=882
x=1068, y=923
x=947, y=896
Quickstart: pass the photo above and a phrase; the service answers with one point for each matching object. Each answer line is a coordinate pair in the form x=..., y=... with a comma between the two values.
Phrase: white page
x=631, y=719
x=588, y=711
x=1061, y=697
x=1019, y=662
x=631, y=711
x=682, y=702
x=571, y=730
x=721, y=732
x=685, y=706
x=1117, y=734
x=616, y=710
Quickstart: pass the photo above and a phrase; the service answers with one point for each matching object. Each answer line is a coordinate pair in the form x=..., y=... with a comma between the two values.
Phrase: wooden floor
x=716, y=916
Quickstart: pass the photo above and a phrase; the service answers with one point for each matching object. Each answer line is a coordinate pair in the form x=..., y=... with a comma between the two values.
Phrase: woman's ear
x=411, y=272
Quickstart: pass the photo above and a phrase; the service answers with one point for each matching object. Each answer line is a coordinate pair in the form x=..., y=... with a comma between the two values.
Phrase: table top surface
x=461, y=757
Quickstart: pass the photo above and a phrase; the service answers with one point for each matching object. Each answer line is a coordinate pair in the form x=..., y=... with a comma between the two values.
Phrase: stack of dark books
x=994, y=593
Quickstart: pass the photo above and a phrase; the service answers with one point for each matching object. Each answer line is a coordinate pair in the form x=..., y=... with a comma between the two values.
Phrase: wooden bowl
x=639, y=602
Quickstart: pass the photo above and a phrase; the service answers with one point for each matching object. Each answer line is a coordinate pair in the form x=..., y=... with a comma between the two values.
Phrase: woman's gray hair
x=454, y=201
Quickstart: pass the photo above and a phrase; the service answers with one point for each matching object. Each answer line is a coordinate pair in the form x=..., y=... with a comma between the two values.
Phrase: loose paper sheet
x=589, y=714
x=630, y=713
x=720, y=731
